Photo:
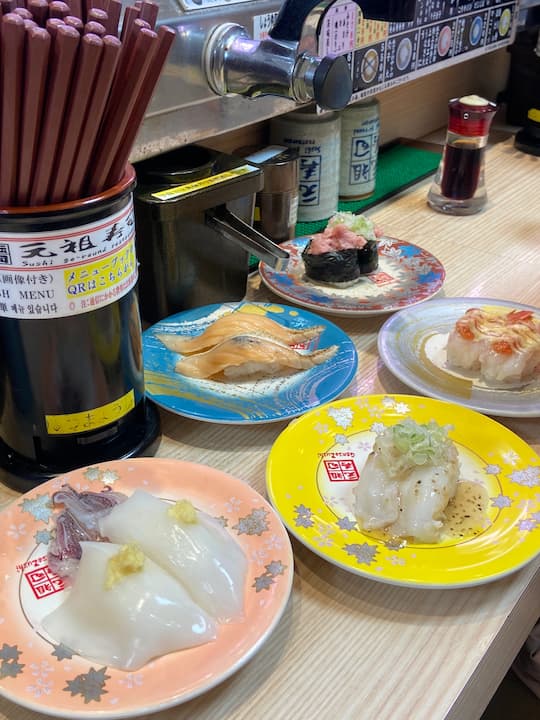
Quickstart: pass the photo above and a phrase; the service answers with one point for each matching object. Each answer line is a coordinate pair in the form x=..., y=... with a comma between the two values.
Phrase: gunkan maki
x=343, y=252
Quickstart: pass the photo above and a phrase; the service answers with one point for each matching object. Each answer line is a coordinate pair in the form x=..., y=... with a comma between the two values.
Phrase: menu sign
x=443, y=33
x=382, y=55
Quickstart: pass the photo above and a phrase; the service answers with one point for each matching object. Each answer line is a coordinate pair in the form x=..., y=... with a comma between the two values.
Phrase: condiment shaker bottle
x=459, y=185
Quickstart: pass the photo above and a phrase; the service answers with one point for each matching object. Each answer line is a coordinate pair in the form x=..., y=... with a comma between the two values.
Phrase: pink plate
x=47, y=678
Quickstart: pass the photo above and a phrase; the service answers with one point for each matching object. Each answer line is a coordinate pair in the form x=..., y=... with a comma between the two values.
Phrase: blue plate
x=246, y=401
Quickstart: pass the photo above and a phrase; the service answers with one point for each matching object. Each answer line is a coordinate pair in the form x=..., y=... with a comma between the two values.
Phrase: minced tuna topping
x=337, y=237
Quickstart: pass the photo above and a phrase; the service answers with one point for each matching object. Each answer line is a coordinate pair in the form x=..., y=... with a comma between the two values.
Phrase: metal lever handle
x=293, y=14
x=224, y=221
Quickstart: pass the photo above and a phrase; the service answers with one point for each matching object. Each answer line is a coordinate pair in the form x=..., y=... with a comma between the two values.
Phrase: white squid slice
x=201, y=555
x=144, y=615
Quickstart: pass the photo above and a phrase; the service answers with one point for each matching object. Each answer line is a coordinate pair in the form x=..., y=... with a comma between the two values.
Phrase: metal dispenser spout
x=283, y=64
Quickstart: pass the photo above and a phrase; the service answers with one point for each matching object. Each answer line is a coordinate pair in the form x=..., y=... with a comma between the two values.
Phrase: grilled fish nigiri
x=247, y=355
x=239, y=323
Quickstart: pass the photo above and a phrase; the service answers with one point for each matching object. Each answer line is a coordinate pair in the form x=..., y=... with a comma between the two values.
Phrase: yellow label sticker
x=104, y=274
x=187, y=188
x=90, y=419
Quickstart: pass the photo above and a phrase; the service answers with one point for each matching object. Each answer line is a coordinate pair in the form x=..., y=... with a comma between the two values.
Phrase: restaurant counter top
x=347, y=646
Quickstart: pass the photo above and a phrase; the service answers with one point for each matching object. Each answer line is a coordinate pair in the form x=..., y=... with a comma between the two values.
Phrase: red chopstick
x=165, y=39
x=149, y=12
x=114, y=10
x=11, y=74
x=115, y=122
x=131, y=13
x=64, y=52
x=38, y=42
x=39, y=10
x=100, y=94
x=84, y=78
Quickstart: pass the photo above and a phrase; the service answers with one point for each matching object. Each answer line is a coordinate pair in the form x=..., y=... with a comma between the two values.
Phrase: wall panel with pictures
x=444, y=32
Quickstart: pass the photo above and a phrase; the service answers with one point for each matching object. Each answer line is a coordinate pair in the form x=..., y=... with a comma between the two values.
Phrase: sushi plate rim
x=396, y=364
x=335, y=383
x=328, y=307
x=274, y=609
x=305, y=512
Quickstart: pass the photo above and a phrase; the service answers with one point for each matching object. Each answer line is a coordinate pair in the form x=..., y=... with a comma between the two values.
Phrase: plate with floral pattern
x=316, y=462
x=407, y=275
x=48, y=678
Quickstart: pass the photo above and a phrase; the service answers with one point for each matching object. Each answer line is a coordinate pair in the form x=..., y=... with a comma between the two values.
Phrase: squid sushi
x=503, y=347
x=407, y=482
x=123, y=610
x=343, y=252
x=248, y=355
x=188, y=544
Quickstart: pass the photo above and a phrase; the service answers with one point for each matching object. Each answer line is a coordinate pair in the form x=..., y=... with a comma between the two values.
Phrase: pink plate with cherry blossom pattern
x=48, y=678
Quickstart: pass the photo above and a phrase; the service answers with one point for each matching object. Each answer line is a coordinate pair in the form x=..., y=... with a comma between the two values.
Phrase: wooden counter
x=349, y=648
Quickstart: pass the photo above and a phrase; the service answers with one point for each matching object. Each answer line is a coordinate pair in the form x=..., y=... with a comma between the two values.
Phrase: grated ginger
x=127, y=561
x=183, y=511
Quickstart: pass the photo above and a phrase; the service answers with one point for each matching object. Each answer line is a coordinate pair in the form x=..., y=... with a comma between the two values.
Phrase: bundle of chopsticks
x=76, y=80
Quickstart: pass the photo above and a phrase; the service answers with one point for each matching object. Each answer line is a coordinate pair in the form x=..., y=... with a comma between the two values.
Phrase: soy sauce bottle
x=459, y=185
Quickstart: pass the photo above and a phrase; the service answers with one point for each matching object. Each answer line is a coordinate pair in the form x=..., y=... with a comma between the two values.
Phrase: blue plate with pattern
x=259, y=399
x=407, y=275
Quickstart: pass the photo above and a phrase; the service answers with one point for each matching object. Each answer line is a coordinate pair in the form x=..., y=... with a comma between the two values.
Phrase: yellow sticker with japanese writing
x=186, y=188
x=90, y=419
x=90, y=278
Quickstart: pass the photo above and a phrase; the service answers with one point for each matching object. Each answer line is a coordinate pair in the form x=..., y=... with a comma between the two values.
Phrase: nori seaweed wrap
x=335, y=266
x=368, y=257
x=334, y=256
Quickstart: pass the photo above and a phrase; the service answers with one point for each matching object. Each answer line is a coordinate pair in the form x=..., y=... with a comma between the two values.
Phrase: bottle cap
x=470, y=115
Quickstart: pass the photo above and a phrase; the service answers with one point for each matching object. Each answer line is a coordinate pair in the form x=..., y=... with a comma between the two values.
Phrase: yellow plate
x=316, y=462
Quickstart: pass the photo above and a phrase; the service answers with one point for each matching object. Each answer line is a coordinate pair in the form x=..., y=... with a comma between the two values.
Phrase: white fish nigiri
x=198, y=552
x=143, y=615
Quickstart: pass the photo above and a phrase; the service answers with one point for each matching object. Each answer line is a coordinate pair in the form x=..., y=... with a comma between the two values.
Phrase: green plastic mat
x=398, y=167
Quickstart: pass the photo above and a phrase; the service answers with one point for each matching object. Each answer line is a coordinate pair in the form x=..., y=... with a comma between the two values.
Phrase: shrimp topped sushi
x=503, y=347
x=343, y=252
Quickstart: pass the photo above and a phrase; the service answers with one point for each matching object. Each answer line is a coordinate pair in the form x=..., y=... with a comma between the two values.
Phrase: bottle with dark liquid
x=459, y=186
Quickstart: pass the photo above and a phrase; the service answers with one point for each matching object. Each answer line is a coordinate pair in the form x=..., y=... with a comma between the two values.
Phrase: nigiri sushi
x=408, y=481
x=502, y=346
x=343, y=252
x=126, y=618
x=248, y=355
x=239, y=323
x=190, y=545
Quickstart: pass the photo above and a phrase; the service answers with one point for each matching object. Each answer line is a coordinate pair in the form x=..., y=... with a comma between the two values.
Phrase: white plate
x=411, y=345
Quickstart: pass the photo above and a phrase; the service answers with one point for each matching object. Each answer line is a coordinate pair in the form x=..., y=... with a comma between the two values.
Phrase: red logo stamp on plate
x=42, y=580
x=341, y=470
x=380, y=278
